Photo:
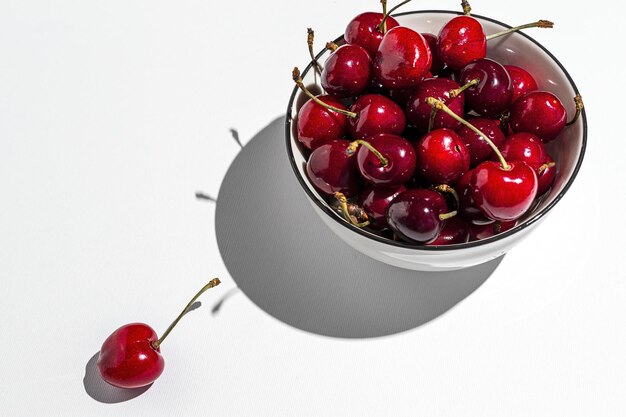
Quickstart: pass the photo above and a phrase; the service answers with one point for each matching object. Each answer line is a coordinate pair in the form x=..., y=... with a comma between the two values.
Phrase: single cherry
x=331, y=169
x=493, y=92
x=403, y=59
x=480, y=150
x=442, y=157
x=347, y=70
x=364, y=30
x=461, y=41
x=546, y=175
x=419, y=112
x=524, y=147
x=522, y=81
x=373, y=114
x=375, y=201
x=385, y=159
x=454, y=231
x=540, y=113
x=131, y=356
x=318, y=124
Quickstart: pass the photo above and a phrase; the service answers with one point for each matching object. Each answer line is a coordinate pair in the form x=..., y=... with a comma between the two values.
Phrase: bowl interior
x=514, y=49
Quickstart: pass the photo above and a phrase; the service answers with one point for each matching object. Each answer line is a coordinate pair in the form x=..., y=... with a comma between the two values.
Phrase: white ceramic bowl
x=567, y=150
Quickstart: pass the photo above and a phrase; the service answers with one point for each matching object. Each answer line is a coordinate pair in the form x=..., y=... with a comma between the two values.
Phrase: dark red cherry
x=375, y=201
x=363, y=30
x=317, y=125
x=522, y=81
x=347, y=71
x=418, y=111
x=414, y=215
x=399, y=160
x=461, y=41
x=524, y=147
x=493, y=93
x=467, y=206
x=455, y=230
x=437, y=64
x=477, y=147
x=540, y=113
x=484, y=231
x=442, y=157
x=403, y=58
x=503, y=194
x=331, y=169
x=546, y=175
x=375, y=114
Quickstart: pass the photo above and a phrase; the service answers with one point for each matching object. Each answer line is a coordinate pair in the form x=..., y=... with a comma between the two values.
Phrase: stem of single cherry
x=545, y=166
x=466, y=7
x=383, y=25
x=457, y=91
x=332, y=46
x=298, y=80
x=431, y=120
x=354, y=145
x=310, y=39
x=578, y=100
x=544, y=24
x=445, y=188
x=446, y=216
x=440, y=105
x=343, y=201
x=213, y=283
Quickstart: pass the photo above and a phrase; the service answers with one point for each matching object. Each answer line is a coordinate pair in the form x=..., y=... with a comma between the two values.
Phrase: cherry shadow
x=103, y=392
x=292, y=266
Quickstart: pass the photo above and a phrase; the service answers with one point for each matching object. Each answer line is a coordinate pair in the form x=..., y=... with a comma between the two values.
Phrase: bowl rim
x=438, y=248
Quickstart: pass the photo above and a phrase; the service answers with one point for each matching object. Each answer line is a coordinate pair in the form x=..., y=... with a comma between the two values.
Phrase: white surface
x=112, y=114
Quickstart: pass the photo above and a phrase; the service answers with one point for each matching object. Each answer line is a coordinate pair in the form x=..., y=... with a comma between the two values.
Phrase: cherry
x=364, y=30
x=375, y=201
x=540, y=113
x=480, y=150
x=492, y=95
x=522, y=81
x=461, y=41
x=347, y=70
x=131, y=356
x=331, y=169
x=437, y=64
x=419, y=112
x=467, y=206
x=525, y=147
x=454, y=231
x=385, y=159
x=400, y=46
x=442, y=157
x=484, y=231
x=417, y=215
x=374, y=113
x=546, y=175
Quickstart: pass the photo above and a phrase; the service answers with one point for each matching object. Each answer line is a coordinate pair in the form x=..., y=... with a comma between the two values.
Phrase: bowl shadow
x=292, y=266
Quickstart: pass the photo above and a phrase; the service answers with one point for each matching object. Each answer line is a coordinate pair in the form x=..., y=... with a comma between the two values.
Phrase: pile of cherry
x=423, y=138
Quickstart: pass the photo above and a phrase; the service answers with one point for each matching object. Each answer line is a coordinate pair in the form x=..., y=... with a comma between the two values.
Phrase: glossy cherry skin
x=540, y=113
x=524, y=147
x=400, y=157
x=127, y=358
x=455, y=230
x=461, y=41
x=403, y=59
x=375, y=114
x=414, y=215
x=347, y=71
x=484, y=231
x=363, y=31
x=493, y=94
x=332, y=169
x=467, y=206
x=418, y=110
x=503, y=195
x=477, y=147
x=522, y=81
x=375, y=201
x=437, y=65
x=317, y=125
x=442, y=157
x=546, y=176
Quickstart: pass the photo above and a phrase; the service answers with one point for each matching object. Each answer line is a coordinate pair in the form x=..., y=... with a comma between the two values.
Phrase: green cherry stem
x=445, y=188
x=578, y=100
x=383, y=25
x=446, y=216
x=213, y=283
x=343, y=201
x=298, y=80
x=544, y=24
x=457, y=91
x=440, y=105
x=354, y=145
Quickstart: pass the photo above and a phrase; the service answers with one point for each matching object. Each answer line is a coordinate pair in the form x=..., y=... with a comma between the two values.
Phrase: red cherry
x=503, y=194
x=480, y=150
x=455, y=230
x=403, y=59
x=522, y=81
x=494, y=91
x=375, y=114
x=484, y=231
x=524, y=147
x=347, y=71
x=461, y=41
x=546, y=175
x=331, y=169
x=398, y=163
x=467, y=206
x=317, y=124
x=375, y=201
x=415, y=215
x=363, y=30
x=418, y=111
x=540, y=113
x=442, y=157
x=437, y=65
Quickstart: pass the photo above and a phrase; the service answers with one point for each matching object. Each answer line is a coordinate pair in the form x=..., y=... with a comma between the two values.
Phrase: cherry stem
x=445, y=188
x=578, y=100
x=431, y=120
x=446, y=216
x=298, y=80
x=354, y=145
x=310, y=38
x=343, y=201
x=457, y=91
x=332, y=46
x=213, y=283
x=383, y=25
x=440, y=105
x=466, y=7
x=544, y=24
x=545, y=166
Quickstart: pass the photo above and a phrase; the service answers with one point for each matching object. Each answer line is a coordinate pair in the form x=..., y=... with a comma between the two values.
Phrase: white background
x=113, y=113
